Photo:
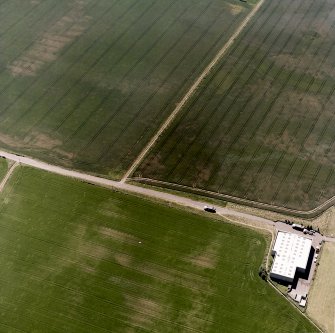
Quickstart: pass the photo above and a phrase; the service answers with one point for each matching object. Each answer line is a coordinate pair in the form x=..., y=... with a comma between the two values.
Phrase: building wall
x=280, y=277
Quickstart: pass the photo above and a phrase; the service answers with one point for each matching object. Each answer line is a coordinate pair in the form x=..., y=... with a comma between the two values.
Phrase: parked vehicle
x=210, y=209
x=298, y=227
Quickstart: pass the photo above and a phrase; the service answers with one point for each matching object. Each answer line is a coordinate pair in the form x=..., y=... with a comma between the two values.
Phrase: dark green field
x=262, y=125
x=78, y=258
x=86, y=83
x=3, y=168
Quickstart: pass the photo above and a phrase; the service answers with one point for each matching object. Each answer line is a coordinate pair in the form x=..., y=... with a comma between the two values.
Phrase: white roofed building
x=291, y=253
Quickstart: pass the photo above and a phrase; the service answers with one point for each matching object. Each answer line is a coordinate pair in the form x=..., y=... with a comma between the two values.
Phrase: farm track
x=242, y=201
x=87, y=282
x=49, y=107
x=180, y=88
x=198, y=205
x=191, y=91
x=224, y=95
x=232, y=104
x=119, y=185
x=195, y=115
x=222, y=141
x=237, y=77
x=232, y=46
x=147, y=101
x=101, y=283
x=7, y=176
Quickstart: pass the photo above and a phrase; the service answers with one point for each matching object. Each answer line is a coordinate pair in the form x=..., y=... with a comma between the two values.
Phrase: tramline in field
x=261, y=126
x=87, y=83
x=104, y=261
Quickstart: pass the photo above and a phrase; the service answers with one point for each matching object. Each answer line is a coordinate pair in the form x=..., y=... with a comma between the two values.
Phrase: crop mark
x=191, y=91
x=46, y=49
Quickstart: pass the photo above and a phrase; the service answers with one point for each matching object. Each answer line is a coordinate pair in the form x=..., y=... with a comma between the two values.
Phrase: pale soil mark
x=47, y=47
x=144, y=311
x=191, y=91
x=236, y=9
x=118, y=235
x=207, y=257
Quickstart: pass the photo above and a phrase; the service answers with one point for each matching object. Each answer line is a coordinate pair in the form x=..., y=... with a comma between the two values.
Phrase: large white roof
x=292, y=251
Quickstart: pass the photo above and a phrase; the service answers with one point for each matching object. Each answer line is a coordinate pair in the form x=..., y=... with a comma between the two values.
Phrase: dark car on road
x=210, y=209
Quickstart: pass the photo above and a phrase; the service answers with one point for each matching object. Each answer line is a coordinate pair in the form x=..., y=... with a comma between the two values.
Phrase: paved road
x=179, y=200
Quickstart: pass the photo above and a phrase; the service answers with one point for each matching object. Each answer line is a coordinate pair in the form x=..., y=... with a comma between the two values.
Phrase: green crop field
x=3, y=168
x=78, y=258
x=261, y=126
x=86, y=83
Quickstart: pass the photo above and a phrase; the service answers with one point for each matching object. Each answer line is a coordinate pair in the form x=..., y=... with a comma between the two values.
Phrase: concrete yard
x=302, y=285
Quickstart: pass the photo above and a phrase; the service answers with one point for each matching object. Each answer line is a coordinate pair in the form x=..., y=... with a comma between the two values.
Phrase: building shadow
x=304, y=274
x=299, y=274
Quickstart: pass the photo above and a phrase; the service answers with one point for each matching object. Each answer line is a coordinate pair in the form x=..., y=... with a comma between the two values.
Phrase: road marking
x=191, y=91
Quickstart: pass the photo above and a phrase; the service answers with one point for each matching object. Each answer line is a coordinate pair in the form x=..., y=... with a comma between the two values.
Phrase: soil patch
x=321, y=304
x=53, y=40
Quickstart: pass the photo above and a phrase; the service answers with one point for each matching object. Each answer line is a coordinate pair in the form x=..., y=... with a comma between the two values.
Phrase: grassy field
x=321, y=302
x=262, y=125
x=85, y=83
x=3, y=168
x=78, y=258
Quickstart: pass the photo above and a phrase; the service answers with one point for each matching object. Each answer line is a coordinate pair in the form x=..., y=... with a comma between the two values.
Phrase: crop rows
x=99, y=98
x=62, y=273
x=255, y=128
x=3, y=168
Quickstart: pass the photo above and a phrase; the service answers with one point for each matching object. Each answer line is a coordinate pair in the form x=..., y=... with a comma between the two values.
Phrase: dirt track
x=128, y=187
x=7, y=176
x=167, y=197
x=191, y=91
x=226, y=212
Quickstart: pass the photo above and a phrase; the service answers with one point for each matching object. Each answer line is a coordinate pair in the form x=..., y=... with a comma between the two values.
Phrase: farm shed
x=291, y=253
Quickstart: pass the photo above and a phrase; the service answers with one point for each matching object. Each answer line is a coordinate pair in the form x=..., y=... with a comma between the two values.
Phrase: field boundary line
x=242, y=201
x=273, y=235
x=295, y=306
x=180, y=200
x=7, y=176
x=191, y=91
x=271, y=230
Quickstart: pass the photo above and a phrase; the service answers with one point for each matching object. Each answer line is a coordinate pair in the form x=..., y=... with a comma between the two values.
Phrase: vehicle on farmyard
x=153, y=157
